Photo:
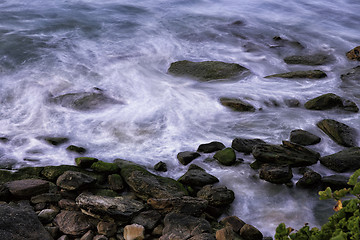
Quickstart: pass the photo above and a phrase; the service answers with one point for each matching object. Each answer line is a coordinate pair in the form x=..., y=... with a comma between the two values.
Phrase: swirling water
x=124, y=48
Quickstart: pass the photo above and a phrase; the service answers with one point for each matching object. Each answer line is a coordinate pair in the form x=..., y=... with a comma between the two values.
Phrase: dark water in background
x=125, y=48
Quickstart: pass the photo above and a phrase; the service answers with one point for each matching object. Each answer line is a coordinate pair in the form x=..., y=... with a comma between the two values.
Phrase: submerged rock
x=303, y=137
x=237, y=104
x=205, y=71
x=210, y=147
x=245, y=145
x=310, y=179
x=329, y=101
x=288, y=153
x=197, y=177
x=341, y=133
x=311, y=60
x=352, y=75
x=335, y=182
x=311, y=74
x=55, y=140
x=276, y=173
x=354, y=54
x=346, y=160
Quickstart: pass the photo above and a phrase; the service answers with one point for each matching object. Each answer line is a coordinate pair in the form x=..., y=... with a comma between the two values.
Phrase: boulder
x=303, y=137
x=118, y=207
x=186, y=205
x=276, y=173
x=180, y=226
x=310, y=60
x=105, y=167
x=55, y=141
x=160, y=167
x=341, y=133
x=335, y=182
x=249, y=232
x=234, y=222
x=210, y=147
x=311, y=74
x=245, y=145
x=218, y=196
x=73, y=223
x=354, y=54
x=116, y=182
x=226, y=233
x=27, y=187
x=237, y=104
x=288, y=153
x=85, y=162
x=134, y=232
x=149, y=219
x=343, y=161
x=197, y=177
x=205, y=71
x=186, y=157
x=226, y=156
x=310, y=179
x=106, y=228
x=329, y=101
x=147, y=185
x=18, y=223
x=71, y=180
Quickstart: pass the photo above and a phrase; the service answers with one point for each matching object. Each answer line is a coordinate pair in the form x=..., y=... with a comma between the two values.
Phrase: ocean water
x=122, y=49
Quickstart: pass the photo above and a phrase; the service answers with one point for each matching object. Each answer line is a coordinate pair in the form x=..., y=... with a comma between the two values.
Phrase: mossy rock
x=55, y=140
x=207, y=70
x=237, y=104
x=51, y=173
x=85, y=162
x=73, y=148
x=325, y=101
x=104, y=167
x=310, y=60
x=31, y=171
x=226, y=156
x=311, y=74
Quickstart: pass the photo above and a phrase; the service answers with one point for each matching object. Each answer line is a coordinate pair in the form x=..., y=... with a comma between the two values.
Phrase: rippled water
x=124, y=48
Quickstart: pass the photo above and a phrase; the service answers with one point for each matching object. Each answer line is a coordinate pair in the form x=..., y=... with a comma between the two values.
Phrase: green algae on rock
x=226, y=156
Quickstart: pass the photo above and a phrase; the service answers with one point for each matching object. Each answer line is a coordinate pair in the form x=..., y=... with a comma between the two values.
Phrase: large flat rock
x=346, y=160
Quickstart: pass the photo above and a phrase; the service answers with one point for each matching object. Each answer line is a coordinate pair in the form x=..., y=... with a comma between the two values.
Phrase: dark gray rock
x=19, y=223
x=118, y=207
x=234, y=222
x=187, y=157
x=73, y=223
x=186, y=205
x=237, y=104
x=288, y=153
x=160, y=167
x=249, y=232
x=276, y=173
x=218, y=196
x=180, y=226
x=55, y=140
x=310, y=179
x=149, y=219
x=303, y=137
x=330, y=101
x=341, y=133
x=245, y=145
x=335, y=182
x=210, y=147
x=310, y=60
x=352, y=76
x=343, y=161
x=311, y=74
x=27, y=187
x=226, y=156
x=205, y=71
x=46, y=198
x=71, y=180
x=197, y=177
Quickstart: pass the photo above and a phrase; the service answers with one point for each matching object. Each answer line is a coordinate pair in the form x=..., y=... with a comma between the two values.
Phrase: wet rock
x=226, y=156
x=354, y=54
x=311, y=74
x=237, y=104
x=276, y=173
x=180, y=226
x=76, y=149
x=53, y=172
x=160, y=167
x=288, y=153
x=186, y=205
x=27, y=187
x=46, y=198
x=249, y=232
x=335, y=182
x=85, y=162
x=104, y=167
x=234, y=222
x=118, y=207
x=310, y=60
x=47, y=215
x=148, y=219
x=134, y=232
x=84, y=101
x=352, y=75
x=341, y=133
x=303, y=137
x=197, y=177
x=18, y=223
x=55, y=140
x=205, y=71
x=186, y=157
x=343, y=161
x=71, y=180
x=147, y=185
x=329, y=101
x=210, y=147
x=245, y=145
x=310, y=179
x=218, y=196
x=116, y=182
x=73, y=223
x=107, y=229
x=292, y=102
x=225, y=233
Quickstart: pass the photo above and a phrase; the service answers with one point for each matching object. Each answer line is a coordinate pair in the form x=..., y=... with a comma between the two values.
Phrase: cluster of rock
x=96, y=200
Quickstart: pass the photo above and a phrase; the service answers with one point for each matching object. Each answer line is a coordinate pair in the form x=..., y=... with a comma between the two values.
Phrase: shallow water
x=50, y=48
